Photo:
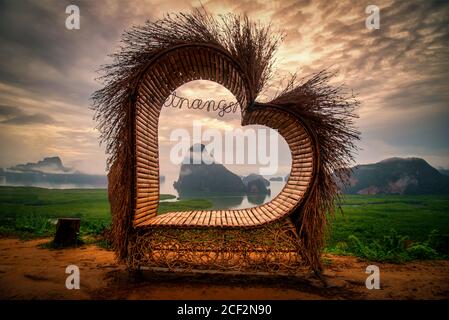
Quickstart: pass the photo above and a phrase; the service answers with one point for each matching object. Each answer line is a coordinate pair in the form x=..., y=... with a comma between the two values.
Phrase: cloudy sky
x=400, y=72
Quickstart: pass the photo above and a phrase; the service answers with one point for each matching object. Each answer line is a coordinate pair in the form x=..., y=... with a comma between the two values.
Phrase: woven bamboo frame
x=315, y=118
x=171, y=69
x=165, y=73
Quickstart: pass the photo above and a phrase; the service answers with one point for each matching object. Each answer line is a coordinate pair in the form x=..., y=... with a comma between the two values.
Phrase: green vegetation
x=377, y=228
x=391, y=228
x=32, y=212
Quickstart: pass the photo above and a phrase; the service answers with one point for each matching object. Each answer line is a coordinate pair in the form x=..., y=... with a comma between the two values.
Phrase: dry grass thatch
x=328, y=112
x=324, y=109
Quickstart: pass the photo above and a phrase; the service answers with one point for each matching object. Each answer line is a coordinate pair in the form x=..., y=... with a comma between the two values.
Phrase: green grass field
x=382, y=228
x=32, y=212
x=391, y=227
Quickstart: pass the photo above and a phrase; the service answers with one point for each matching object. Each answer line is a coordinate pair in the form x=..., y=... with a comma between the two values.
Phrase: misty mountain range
x=47, y=165
x=49, y=173
x=390, y=176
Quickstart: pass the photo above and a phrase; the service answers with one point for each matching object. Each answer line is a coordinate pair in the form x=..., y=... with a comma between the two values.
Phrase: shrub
x=392, y=248
x=439, y=242
x=421, y=251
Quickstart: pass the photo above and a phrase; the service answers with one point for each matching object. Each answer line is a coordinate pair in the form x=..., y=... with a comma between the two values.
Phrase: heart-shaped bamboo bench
x=283, y=234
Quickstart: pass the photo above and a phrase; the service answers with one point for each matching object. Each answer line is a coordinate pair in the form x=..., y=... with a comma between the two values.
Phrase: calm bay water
x=220, y=201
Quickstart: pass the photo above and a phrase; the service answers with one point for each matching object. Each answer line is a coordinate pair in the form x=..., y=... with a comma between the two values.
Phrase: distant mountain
x=256, y=184
x=206, y=177
x=47, y=165
x=276, y=179
x=49, y=173
x=397, y=176
x=209, y=178
x=444, y=171
x=252, y=177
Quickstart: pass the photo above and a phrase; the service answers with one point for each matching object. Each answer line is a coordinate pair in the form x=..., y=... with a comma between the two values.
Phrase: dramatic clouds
x=13, y=115
x=400, y=72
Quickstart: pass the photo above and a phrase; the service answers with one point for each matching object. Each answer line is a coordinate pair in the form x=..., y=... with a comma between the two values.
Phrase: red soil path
x=30, y=272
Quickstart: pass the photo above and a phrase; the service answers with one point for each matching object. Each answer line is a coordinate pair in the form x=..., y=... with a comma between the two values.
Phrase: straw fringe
x=329, y=112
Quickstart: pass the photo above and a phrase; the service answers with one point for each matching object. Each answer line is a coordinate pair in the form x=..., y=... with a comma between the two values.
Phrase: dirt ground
x=30, y=272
